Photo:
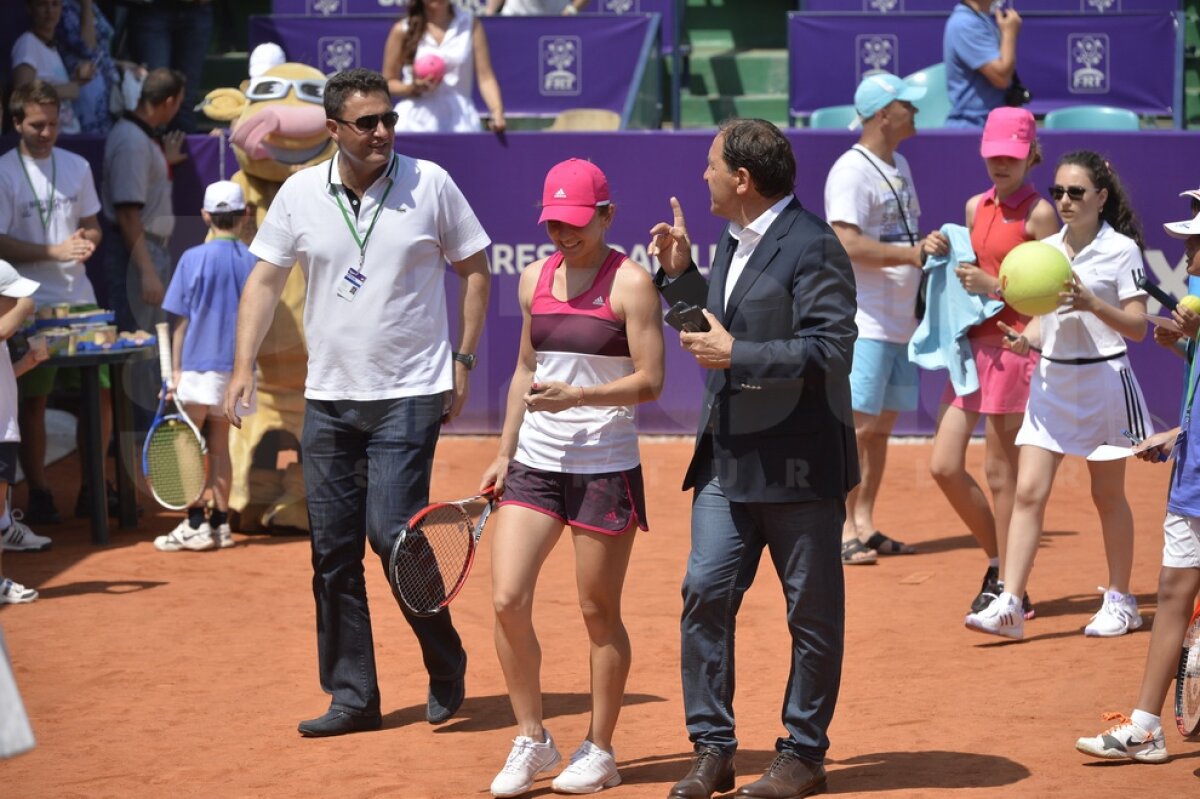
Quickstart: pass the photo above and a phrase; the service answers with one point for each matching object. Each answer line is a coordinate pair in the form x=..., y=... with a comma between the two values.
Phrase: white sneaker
x=1125, y=740
x=223, y=537
x=19, y=538
x=185, y=537
x=15, y=594
x=591, y=770
x=1003, y=617
x=527, y=759
x=1117, y=616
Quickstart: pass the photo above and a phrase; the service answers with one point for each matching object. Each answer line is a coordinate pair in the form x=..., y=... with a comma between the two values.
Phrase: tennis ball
x=1031, y=277
x=1191, y=302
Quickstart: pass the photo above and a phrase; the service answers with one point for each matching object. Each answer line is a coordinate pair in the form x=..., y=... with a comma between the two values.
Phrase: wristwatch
x=467, y=359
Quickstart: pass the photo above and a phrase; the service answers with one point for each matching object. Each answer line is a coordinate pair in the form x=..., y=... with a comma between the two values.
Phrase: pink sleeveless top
x=581, y=342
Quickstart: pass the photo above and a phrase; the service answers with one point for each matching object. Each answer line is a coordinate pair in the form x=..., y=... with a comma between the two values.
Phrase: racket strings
x=432, y=558
x=1189, y=680
x=175, y=464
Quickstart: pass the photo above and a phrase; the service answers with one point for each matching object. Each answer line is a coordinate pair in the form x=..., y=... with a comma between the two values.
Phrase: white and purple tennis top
x=580, y=342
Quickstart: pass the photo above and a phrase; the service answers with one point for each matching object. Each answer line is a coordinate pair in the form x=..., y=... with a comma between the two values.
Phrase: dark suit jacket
x=778, y=423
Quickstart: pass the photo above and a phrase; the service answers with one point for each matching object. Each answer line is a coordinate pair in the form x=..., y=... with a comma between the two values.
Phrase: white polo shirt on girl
x=1110, y=267
x=376, y=327
x=41, y=202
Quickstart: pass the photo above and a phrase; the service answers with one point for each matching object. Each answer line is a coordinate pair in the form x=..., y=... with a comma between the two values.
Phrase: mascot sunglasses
x=266, y=87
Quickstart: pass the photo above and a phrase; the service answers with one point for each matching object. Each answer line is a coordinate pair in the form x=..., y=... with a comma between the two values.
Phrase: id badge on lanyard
x=350, y=283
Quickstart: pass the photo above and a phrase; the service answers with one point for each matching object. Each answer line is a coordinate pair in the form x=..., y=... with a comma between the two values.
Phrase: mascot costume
x=277, y=127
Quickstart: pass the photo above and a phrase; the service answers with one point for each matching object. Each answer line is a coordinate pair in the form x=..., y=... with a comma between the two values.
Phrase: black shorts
x=607, y=502
x=8, y=462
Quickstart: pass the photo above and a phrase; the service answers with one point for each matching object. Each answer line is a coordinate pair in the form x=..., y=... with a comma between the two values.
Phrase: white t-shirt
x=392, y=339
x=9, y=430
x=857, y=194
x=48, y=64
x=23, y=202
x=1110, y=267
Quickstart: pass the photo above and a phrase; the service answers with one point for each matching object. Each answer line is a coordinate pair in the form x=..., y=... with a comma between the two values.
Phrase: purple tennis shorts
x=607, y=502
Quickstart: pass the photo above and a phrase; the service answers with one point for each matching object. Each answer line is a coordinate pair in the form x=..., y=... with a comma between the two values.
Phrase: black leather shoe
x=339, y=722
x=446, y=696
x=788, y=777
x=712, y=771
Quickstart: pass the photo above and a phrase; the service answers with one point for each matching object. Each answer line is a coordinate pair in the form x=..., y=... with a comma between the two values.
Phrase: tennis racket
x=1187, y=684
x=432, y=557
x=174, y=457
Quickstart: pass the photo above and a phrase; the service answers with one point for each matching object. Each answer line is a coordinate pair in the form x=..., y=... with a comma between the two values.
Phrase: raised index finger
x=677, y=211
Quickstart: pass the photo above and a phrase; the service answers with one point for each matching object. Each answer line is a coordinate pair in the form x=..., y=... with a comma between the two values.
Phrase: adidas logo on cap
x=560, y=195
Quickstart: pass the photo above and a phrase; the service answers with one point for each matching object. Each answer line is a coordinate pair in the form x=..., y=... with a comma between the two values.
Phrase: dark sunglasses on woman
x=1076, y=193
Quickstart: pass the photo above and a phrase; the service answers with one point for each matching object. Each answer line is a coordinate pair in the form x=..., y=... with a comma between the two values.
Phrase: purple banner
x=1023, y=6
x=325, y=8
x=544, y=64
x=1130, y=61
x=502, y=179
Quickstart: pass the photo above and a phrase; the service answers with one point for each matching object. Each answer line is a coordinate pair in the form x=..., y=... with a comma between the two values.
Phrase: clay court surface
x=149, y=674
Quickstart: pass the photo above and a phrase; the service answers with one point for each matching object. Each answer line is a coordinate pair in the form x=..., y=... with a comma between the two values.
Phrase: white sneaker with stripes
x=17, y=537
x=1125, y=741
x=1004, y=616
x=1117, y=616
x=527, y=759
x=591, y=770
x=184, y=536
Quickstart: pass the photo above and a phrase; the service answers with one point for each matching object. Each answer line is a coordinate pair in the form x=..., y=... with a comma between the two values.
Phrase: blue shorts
x=883, y=378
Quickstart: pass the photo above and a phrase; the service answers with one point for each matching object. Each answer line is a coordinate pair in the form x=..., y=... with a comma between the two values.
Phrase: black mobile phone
x=687, y=318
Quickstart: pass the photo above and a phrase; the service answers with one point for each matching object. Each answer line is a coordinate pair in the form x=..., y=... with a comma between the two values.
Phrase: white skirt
x=441, y=111
x=1075, y=408
x=208, y=388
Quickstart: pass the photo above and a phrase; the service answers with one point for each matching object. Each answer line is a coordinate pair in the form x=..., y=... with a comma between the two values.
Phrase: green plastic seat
x=1092, y=117
x=833, y=117
x=935, y=105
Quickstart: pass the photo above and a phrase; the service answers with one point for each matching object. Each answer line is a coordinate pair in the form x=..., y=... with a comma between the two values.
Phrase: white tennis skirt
x=1074, y=408
x=208, y=388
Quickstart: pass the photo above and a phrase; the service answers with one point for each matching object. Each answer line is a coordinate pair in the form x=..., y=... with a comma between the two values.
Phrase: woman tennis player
x=1084, y=393
x=1007, y=214
x=591, y=349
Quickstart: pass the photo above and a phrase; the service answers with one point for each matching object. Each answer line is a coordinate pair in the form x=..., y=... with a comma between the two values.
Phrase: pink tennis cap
x=574, y=190
x=1009, y=132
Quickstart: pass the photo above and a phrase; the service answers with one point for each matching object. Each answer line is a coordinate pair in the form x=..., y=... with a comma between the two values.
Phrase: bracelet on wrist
x=579, y=401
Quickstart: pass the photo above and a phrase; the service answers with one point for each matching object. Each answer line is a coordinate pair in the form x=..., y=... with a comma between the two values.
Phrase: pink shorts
x=1003, y=382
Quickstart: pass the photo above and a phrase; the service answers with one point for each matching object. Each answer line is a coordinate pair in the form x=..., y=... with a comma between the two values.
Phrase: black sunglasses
x=371, y=121
x=1076, y=193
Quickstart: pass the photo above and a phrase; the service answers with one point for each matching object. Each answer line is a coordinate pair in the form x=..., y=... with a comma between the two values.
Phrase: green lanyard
x=362, y=242
x=1191, y=381
x=43, y=213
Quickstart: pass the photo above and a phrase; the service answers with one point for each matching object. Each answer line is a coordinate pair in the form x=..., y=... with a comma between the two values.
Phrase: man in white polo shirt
x=372, y=231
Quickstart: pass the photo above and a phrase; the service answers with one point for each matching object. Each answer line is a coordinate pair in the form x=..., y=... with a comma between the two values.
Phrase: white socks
x=1147, y=721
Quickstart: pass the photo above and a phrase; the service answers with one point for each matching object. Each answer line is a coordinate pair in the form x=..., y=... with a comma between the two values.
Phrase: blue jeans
x=176, y=37
x=803, y=540
x=366, y=470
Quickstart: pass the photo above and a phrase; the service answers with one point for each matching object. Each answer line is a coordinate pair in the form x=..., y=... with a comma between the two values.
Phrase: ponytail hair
x=1117, y=210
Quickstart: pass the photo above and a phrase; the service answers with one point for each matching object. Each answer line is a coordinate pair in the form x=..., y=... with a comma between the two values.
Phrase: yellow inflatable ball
x=1032, y=276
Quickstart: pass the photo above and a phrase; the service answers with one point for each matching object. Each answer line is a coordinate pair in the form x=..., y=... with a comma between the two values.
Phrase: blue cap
x=879, y=89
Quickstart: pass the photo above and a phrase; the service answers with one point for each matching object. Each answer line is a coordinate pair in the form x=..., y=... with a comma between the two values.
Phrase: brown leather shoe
x=712, y=770
x=788, y=777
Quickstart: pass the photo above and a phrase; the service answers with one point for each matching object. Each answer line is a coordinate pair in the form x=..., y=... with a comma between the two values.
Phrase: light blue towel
x=940, y=341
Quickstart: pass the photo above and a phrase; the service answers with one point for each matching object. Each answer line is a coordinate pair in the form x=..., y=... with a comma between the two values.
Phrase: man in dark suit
x=775, y=453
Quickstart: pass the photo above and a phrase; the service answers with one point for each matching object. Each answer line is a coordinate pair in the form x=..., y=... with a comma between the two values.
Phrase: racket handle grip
x=1154, y=291
x=162, y=332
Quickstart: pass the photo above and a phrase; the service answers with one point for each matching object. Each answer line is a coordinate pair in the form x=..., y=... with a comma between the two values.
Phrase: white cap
x=12, y=284
x=265, y=56
x=1193, y=193
x=223, y=196
x=1184, y=229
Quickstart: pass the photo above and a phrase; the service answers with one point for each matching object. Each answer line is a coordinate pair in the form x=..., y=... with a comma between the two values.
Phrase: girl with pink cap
x=1007, y=214
x=591, y=349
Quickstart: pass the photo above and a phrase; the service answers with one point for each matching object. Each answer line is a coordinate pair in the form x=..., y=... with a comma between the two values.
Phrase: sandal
x=856, y=553
x=889, y=546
